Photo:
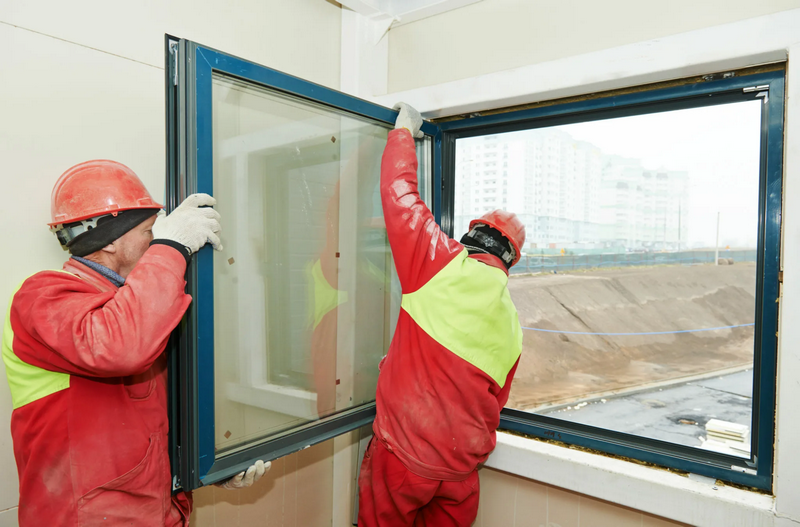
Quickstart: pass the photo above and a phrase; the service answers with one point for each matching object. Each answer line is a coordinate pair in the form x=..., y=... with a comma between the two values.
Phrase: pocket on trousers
x=135, y=498
x=181, y=509
x=473, y=482
x=140, y=386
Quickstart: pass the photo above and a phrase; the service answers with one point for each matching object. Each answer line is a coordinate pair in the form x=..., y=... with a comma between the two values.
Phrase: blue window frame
x=193, y=73
x=190, y=76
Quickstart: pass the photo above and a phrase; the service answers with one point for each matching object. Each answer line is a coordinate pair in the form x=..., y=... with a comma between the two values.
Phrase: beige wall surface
x=512, y=501
x=85, y=79
x=301, y=37
x=495, y=35
x=296, y=492
x=506, y=500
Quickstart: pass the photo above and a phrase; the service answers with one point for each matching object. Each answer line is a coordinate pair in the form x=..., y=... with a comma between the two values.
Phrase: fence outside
x=569, y=262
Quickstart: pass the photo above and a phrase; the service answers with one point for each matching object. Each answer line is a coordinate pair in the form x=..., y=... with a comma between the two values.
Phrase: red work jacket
x=458, y=340
x=86, y=365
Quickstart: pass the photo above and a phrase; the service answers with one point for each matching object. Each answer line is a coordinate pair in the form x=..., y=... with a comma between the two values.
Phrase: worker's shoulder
x=44, y=285
x=479, y=269
x=51, y=278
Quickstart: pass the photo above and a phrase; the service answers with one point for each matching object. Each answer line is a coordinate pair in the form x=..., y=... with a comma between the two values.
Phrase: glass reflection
x=303, y=291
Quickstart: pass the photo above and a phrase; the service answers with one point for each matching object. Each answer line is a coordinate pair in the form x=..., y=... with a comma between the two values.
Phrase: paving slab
x=677, y=414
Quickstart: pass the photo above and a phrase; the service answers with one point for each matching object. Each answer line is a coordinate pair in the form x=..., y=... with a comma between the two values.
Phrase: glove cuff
x=181, y=248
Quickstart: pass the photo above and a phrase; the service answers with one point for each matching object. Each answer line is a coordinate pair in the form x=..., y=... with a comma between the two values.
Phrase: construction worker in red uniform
x=83, y=349
x=449, y=368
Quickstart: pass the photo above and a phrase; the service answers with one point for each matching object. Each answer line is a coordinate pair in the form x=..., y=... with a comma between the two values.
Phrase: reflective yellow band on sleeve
x=28, y=383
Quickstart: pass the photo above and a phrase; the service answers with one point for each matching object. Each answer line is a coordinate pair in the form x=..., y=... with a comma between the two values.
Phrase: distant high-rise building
x=568, y=193
x=644, y=208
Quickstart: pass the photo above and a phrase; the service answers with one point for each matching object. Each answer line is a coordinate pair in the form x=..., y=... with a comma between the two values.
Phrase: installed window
x=647, y=289
x=637, y=289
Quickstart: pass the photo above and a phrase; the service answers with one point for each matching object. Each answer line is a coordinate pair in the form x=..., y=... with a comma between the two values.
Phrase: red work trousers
x=392, y=496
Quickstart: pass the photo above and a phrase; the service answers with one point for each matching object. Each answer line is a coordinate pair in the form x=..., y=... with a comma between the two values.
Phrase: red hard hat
x=96, y=188
x=509, y=226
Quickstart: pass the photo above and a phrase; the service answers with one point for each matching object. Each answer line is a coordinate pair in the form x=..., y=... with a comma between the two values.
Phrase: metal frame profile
x=767, y=86
x=190, y=68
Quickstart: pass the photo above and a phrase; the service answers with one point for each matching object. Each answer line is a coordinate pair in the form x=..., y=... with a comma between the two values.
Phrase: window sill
x=644, y=488
x=279, y=399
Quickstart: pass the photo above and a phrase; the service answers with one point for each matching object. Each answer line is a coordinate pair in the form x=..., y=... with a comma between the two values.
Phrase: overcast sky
x=718, y=145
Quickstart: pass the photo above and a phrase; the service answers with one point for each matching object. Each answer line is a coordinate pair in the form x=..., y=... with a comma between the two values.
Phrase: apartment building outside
x=570, y=194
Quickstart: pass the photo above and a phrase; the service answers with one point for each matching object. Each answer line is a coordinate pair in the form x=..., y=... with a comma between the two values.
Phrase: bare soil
x=557, y=368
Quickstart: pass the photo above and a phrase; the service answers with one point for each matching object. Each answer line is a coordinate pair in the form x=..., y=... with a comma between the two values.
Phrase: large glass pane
x=304, y=297
x=637, y=288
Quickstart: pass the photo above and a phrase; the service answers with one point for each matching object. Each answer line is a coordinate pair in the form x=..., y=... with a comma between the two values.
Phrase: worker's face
x=132, y=245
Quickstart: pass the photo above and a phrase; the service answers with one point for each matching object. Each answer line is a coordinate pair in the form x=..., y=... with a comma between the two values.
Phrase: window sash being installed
x=295, y=170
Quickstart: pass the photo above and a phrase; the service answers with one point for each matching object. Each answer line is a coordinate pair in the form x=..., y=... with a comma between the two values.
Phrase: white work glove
x=193, y=224
x=408, y=118
x=247, y=478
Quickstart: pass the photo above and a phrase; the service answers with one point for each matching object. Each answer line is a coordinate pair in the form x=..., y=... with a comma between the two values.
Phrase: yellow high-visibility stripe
x=326, y=297
x=28, y=383
x=467, y=309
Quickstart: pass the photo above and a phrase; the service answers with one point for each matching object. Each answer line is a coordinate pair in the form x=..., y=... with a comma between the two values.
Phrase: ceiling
x=403, y=11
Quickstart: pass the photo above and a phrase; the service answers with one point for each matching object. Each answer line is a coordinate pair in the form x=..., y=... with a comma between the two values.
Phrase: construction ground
x=656, y=379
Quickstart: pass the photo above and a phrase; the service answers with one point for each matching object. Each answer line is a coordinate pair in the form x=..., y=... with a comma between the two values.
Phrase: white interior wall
x=85, y=79
x=495, y=35
x=787, y=422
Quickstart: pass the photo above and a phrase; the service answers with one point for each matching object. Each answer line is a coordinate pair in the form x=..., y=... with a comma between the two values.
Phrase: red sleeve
x=62, y=323
x=419, y=247
x=502, y=397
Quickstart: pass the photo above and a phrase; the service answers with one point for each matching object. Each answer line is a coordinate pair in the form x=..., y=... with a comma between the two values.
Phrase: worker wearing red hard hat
x=449, y=368
x=84, y=347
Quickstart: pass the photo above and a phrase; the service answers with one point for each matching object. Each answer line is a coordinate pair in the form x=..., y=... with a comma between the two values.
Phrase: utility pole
x=716, y=245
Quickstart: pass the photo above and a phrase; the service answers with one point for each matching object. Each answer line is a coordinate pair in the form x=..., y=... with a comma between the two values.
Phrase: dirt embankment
x=559, y=367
